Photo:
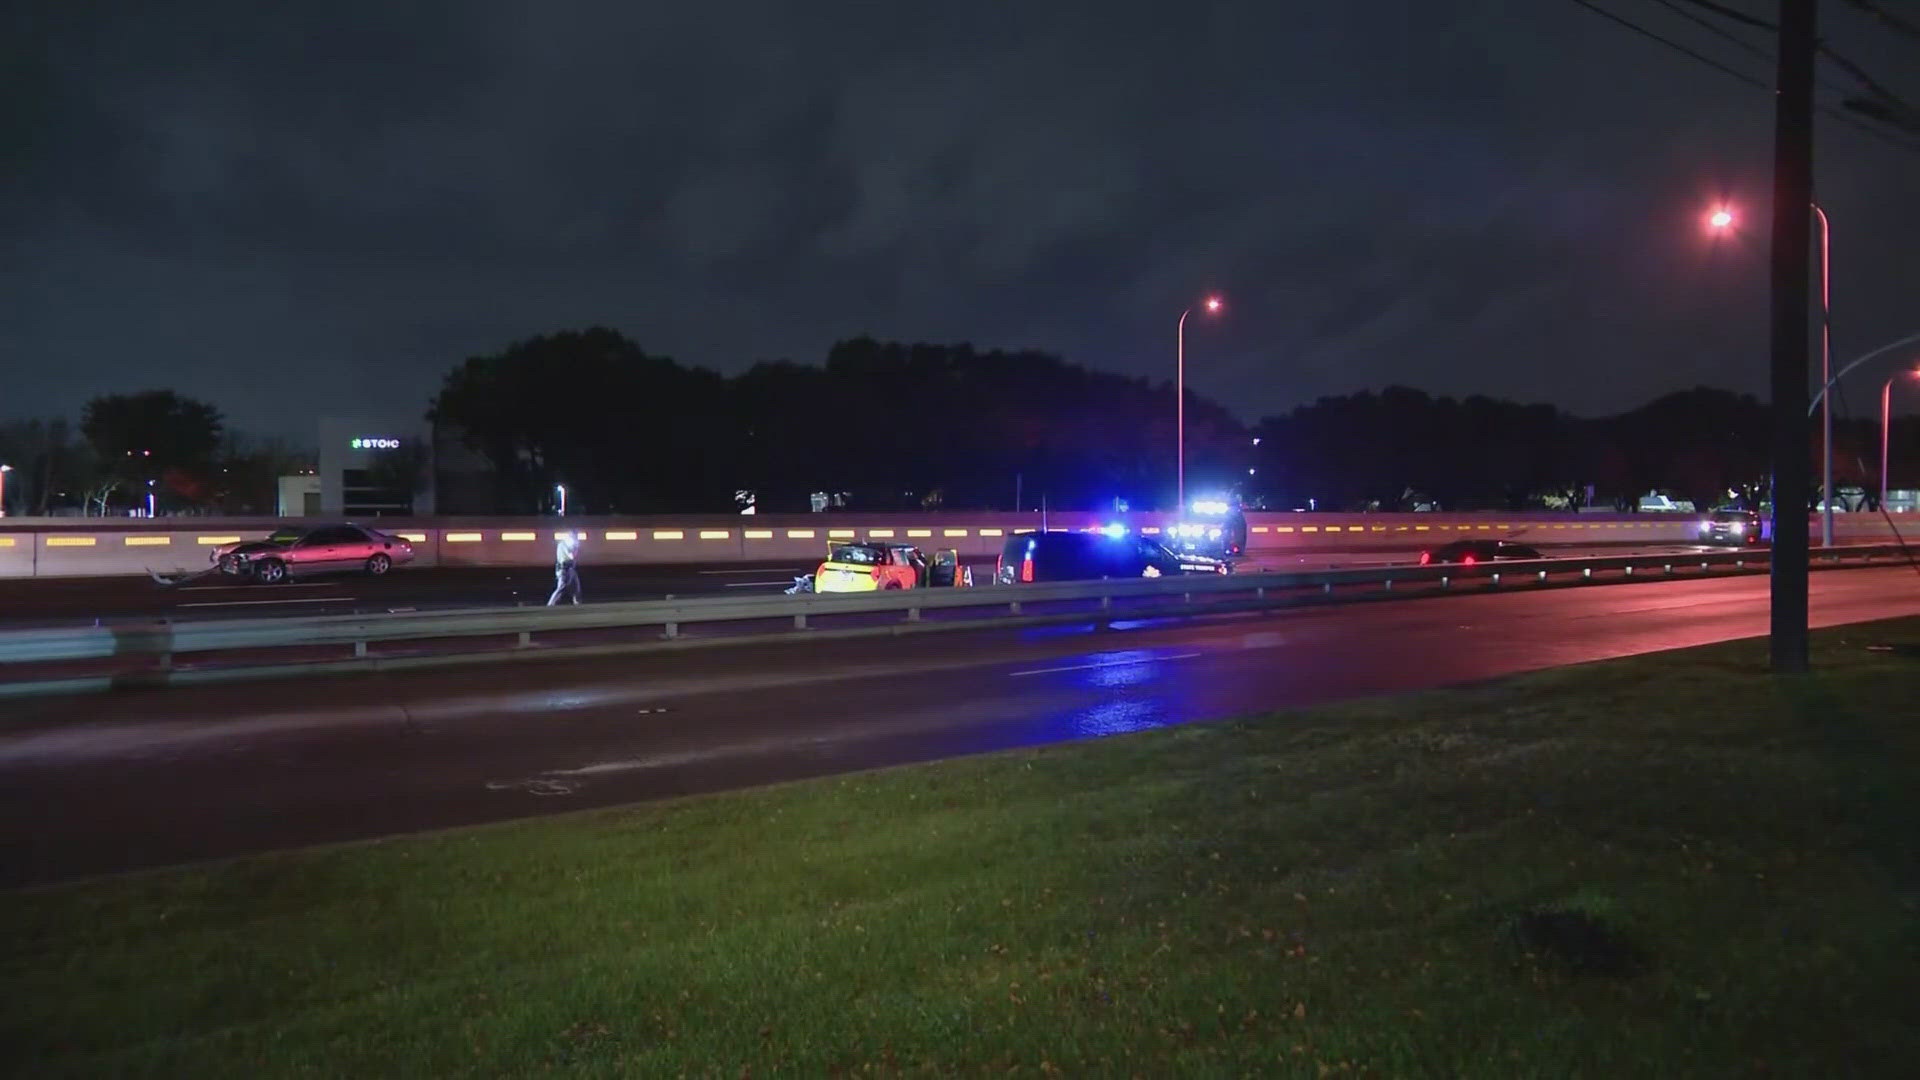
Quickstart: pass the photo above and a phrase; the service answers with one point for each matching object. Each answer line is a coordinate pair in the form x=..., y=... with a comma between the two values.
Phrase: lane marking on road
x=288, y=585
x=250, y=603
x=739, y=571
x=535, y=786
x=1103, y=664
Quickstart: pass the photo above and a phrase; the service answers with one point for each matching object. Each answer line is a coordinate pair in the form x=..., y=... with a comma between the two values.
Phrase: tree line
x=127, y=447
x=889, y=425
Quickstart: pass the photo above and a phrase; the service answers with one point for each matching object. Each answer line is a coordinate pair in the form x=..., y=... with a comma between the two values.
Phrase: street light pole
x=4, y=470
x=1826, y=373
x=1886, y=432
x=1722, y=219
x=1180, y=415
x=1180, y=404
x=1886, y=429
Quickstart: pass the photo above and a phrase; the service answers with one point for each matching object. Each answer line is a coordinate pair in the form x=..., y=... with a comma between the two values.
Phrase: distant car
x=882, y=567
x=1089, y=556
x=1468, y=552
x=312, y=550
x=1733, y=528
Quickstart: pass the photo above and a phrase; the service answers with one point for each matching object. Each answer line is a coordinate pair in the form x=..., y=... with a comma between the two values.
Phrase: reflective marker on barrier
x=840, y=534
x=146, y=541
x=759, y=534
x=213, y=540
x=884, y=534
x=953, y=532
x=462, y=538
x=70, y=541
x=799, y=534
x=622, y=534
x=990, y=532
x=517, y=537
x=714, y=534
x=669, y=534
x=919, y=532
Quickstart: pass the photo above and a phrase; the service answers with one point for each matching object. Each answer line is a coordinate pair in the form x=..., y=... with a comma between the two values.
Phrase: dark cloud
x=291, y=211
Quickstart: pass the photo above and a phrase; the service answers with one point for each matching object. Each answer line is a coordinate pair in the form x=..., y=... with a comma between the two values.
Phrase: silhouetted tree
x=153, y=438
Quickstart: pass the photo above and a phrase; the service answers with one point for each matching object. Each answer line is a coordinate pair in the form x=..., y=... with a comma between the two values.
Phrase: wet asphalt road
x=112, y=783
x=38, y=602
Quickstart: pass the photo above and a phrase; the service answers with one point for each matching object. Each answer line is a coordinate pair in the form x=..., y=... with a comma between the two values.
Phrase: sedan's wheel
x=271, y=572
x=379, y=564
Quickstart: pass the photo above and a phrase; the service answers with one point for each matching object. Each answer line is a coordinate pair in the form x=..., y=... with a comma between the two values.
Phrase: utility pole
x=1792, y=194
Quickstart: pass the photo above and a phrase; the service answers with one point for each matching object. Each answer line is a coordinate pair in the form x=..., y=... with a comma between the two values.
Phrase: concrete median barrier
x=96, y=548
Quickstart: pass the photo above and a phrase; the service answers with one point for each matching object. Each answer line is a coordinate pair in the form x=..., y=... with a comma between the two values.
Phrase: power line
x=1674, y=45
x=1720, y=31
x=1717, y=29
x=1736, y=16
x=1889, y=18
x=1827, y=110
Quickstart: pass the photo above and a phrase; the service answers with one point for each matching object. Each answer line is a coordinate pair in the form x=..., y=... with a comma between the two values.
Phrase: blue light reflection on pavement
x=1132, y=689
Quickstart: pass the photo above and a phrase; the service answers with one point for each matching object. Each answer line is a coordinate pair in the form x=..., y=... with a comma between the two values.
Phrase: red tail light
x=874, y=573
x=1426, y=557
x=1468, y=561
x=1026, y=568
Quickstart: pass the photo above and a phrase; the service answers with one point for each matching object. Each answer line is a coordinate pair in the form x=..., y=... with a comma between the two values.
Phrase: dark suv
x=1087, y=556
x=1734, y=528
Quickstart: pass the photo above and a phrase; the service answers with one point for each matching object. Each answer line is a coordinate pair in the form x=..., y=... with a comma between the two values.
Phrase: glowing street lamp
x=4, y=470
x=1213, y=305
x=1721, y=219
x=561, y=490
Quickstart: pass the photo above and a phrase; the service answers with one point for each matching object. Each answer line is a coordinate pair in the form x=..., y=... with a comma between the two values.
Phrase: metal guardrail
x=153, y=647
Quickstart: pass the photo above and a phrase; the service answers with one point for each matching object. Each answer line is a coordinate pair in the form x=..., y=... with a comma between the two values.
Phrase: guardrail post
x=1628, y=569
x=1326, y=587
x=526, y=639
x=1446, y=582
x=359, y=650
x=913, y=614
x=673, y=631
x=1669, y=569
x=1496, y=579
x=1739, y=564
x=1586, y=572
x=1106, y=603
x=1013, y=607
x=800, y=621
x=1388, y=584
x=1705, y=567
x=1543, y=577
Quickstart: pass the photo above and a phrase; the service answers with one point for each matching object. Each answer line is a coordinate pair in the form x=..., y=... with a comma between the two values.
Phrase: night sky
x=291, y=210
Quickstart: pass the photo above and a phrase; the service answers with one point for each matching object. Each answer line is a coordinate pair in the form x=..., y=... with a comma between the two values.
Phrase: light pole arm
x=1910, y=339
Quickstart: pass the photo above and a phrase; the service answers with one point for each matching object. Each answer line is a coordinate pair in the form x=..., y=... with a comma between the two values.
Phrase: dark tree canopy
x=157, y=437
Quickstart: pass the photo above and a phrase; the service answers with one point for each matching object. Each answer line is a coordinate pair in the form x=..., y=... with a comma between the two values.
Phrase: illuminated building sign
x=376, y=444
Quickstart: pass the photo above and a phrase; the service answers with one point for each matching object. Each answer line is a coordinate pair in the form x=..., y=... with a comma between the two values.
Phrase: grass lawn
x=1667, y=866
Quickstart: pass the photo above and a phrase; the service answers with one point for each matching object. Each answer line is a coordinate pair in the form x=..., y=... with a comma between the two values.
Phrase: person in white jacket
x=566, y=566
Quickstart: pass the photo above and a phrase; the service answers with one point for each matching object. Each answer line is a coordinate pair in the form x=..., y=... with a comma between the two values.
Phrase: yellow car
x=871, y=567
